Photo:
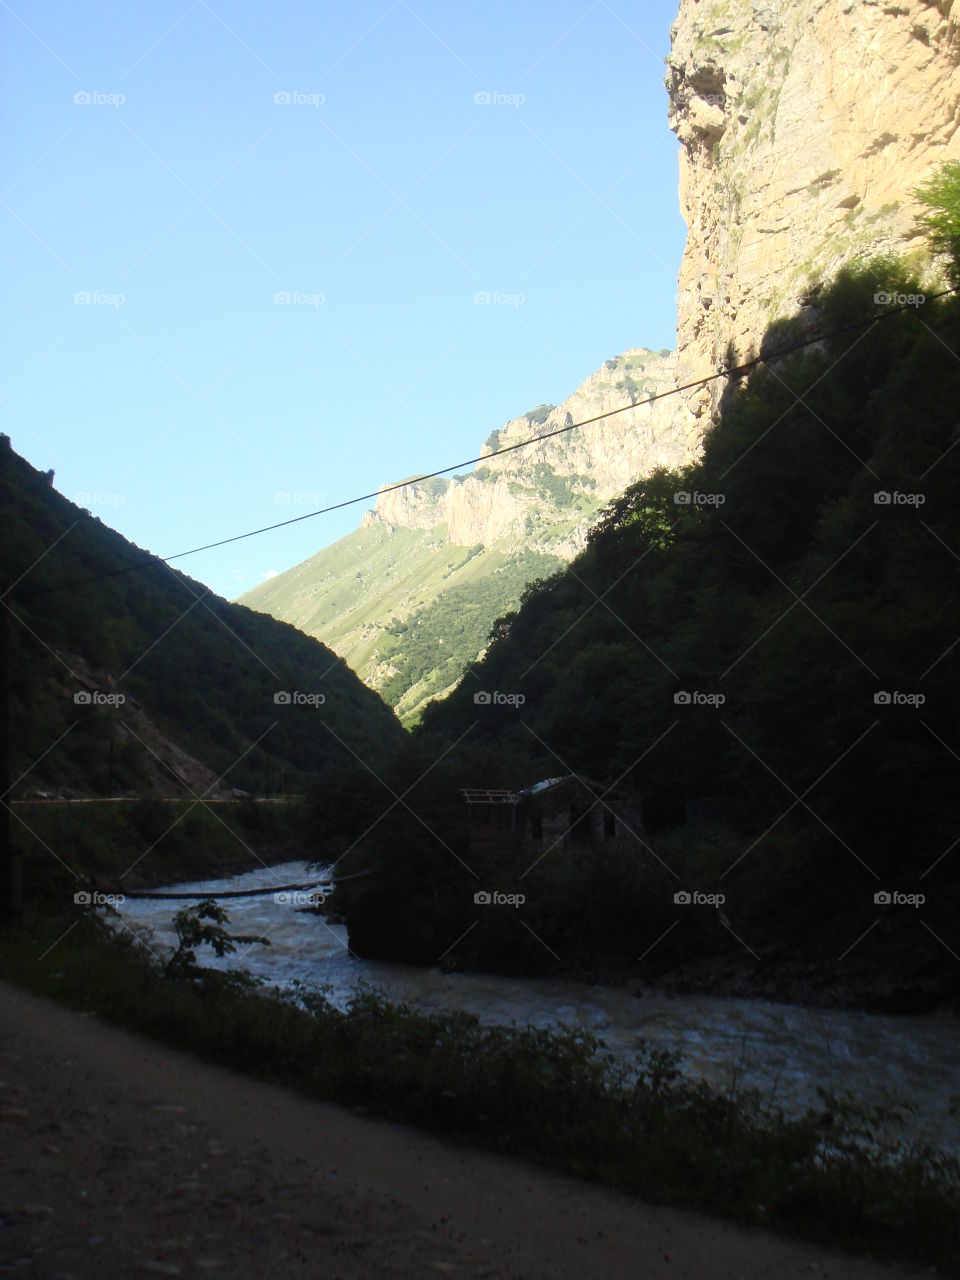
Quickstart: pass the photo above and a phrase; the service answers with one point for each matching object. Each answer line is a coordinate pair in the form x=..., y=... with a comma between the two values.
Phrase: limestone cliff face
x=805, y=127
x=544, y=496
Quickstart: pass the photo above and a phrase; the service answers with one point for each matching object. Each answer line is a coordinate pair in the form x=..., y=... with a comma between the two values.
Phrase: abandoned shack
x=551, y=813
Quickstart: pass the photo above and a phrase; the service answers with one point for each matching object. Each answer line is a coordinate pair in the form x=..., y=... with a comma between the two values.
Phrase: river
x=785, y=1051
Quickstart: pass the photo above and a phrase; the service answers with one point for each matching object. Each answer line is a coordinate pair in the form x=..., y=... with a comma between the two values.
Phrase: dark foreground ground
x=120, y=1158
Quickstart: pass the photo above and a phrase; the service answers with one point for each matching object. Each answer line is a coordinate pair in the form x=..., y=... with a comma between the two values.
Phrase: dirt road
x=121, y=1158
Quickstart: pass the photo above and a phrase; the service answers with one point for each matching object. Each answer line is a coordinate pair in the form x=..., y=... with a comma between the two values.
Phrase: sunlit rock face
x=508, y=502
x=805, y=127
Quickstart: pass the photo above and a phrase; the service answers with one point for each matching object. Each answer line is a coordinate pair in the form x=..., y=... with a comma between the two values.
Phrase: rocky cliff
x=805, y=127
x=520, y=498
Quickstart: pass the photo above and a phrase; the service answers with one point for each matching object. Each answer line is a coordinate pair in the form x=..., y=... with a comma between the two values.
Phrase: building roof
x=488, y=795
x=495, y=795
x=545, y=785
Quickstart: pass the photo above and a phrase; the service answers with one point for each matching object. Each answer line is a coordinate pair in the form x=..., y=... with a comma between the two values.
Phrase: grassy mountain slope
x=199, y=676
x=409, y=610
x=409, y=598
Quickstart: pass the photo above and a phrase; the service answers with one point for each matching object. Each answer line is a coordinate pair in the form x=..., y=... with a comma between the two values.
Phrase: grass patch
x=555, y=1098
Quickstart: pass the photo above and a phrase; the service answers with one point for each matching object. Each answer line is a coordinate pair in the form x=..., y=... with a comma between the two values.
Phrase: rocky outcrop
x=805, y=126
x=544, y=496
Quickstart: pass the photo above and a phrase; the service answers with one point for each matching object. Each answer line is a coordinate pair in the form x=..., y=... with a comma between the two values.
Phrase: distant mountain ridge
x=408, y=599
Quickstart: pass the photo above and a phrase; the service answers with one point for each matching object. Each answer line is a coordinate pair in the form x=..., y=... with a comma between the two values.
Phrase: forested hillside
x=162, y=649
x=772, y=631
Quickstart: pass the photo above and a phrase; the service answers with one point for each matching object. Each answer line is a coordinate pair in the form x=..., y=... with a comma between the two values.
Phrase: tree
x=192, y=931
x=941, y=195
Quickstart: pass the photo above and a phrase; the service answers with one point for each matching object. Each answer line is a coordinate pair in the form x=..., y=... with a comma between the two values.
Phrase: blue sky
x=183, y=403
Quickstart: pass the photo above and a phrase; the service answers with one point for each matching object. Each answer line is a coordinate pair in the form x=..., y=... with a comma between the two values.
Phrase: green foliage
x=442, y=638
x=629, y=388
x=150, y=842
x=787, y=585
x=202, y=925
x=441, y=592
x=538, y=416
x=839, y=1174
x=203, y=670
x=648, y=508
x=941, y=195
x=559, y=491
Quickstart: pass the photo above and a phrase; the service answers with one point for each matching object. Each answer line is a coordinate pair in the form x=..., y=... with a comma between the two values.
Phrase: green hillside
x=772, y=674
x=410, y=598
x=183, y=674
x=406, y=609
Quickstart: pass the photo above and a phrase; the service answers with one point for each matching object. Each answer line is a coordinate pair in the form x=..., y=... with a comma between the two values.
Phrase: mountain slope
x=97, y=661
x=772, y=683
x=409, y=598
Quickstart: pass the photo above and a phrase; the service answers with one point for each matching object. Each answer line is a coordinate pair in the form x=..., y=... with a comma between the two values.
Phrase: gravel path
x=122, y=1158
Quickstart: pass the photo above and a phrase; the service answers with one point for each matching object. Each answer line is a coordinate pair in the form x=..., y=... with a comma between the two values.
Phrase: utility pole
x=11, y=868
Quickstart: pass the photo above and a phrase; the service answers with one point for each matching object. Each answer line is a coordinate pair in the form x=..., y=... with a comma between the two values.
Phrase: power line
x=726, y=371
